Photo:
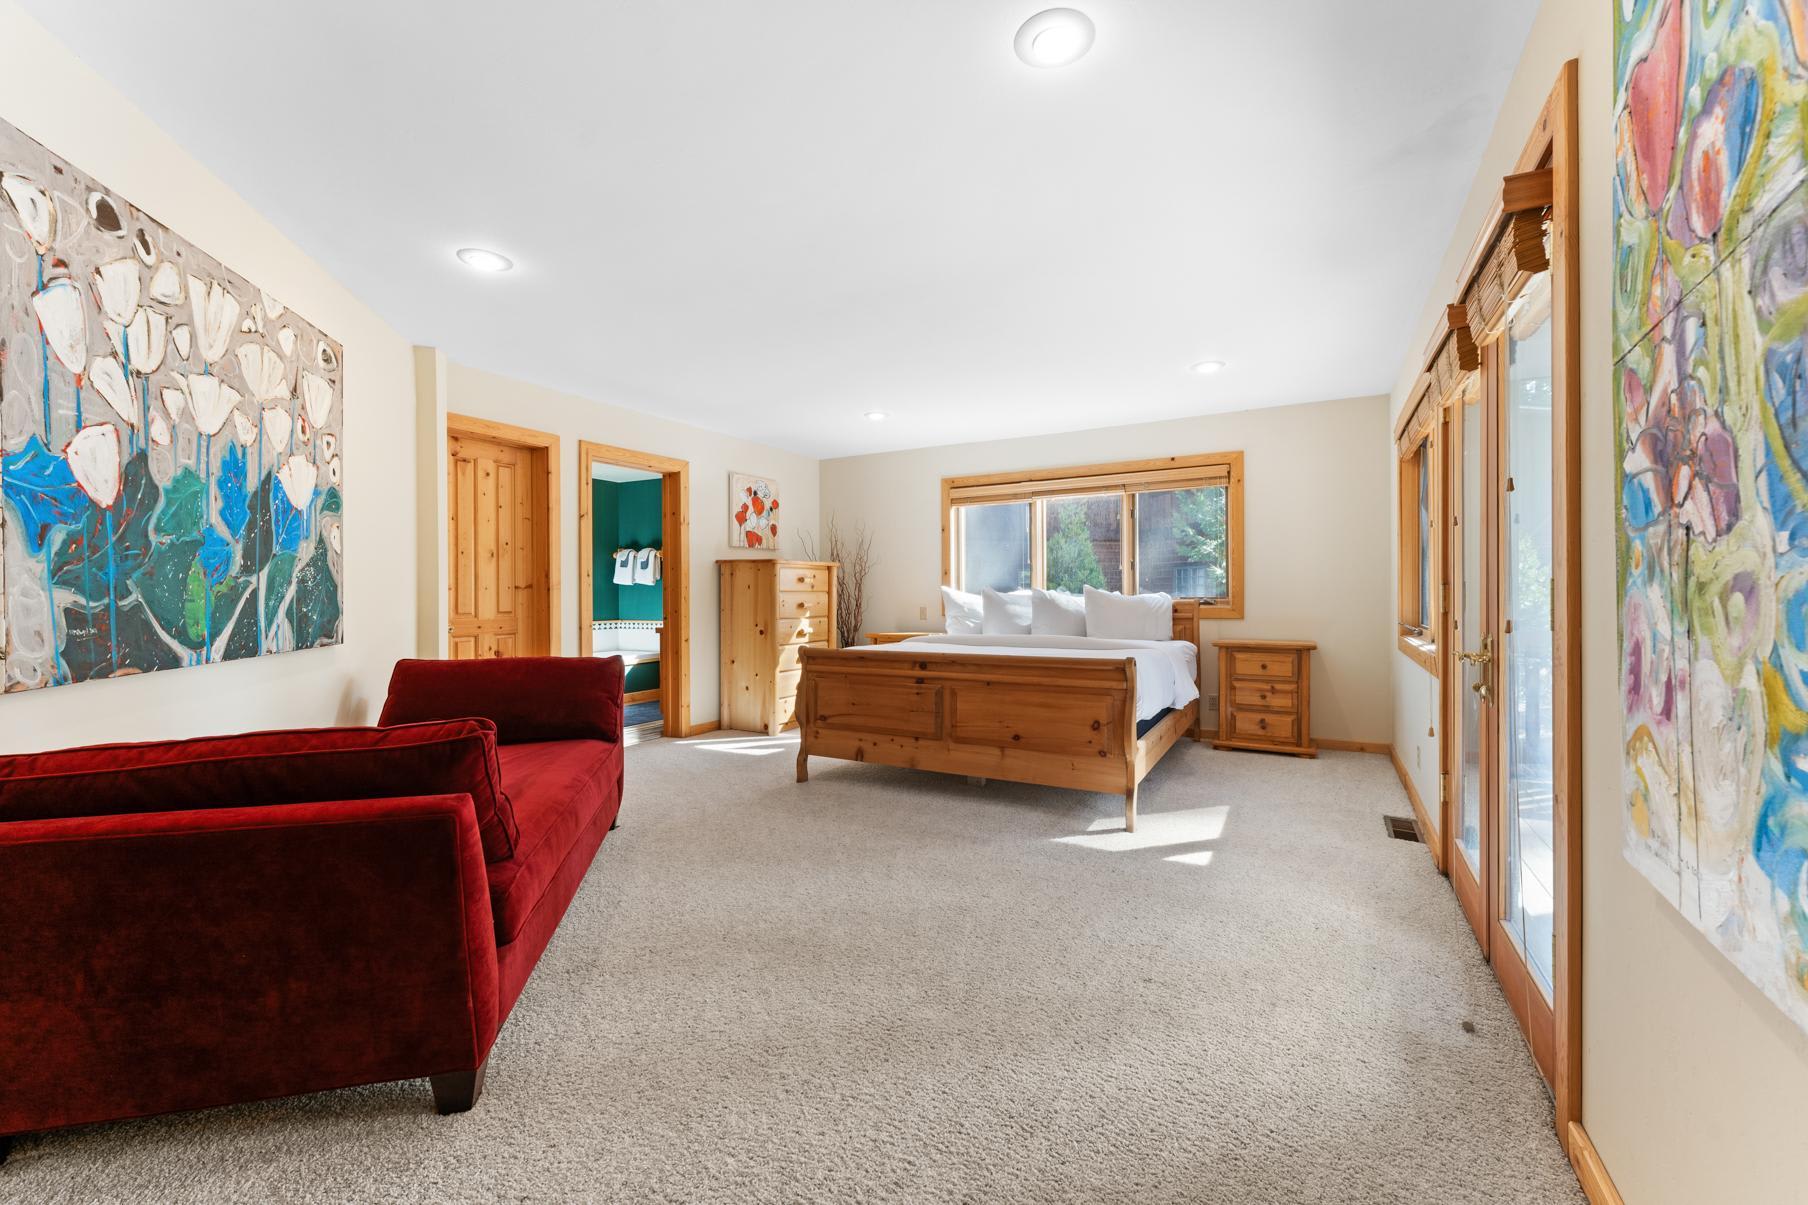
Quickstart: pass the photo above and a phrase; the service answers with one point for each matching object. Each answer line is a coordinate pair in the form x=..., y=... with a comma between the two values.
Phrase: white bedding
x=1164, y=668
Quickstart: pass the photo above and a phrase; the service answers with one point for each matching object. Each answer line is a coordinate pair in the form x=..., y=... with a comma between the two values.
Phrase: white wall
x=1316, y=559
x=50, y=95
x=712, y=457
x=1691, y=1080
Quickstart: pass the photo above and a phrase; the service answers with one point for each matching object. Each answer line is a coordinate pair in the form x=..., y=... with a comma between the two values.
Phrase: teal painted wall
x=604, y=522
x=639, y=524
x=626, y=514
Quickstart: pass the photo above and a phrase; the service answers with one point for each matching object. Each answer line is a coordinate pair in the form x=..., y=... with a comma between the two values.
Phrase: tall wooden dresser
x=1265, y=696
x=770, y=609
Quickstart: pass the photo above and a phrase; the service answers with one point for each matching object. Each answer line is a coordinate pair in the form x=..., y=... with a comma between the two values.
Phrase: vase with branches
x=854, y=553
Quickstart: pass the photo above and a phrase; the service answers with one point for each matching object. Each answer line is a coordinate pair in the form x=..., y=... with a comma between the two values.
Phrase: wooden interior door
x=497, y=584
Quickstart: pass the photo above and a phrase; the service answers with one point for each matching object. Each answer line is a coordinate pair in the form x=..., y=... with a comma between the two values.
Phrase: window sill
x=1424, y=652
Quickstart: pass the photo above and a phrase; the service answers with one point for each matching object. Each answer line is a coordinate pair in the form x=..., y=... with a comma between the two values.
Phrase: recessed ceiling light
x=1054, y=37
x=484, y=261
x=1206, y=368
x=876, y=416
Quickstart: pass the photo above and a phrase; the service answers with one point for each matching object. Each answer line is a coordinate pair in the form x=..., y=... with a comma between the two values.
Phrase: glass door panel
x=1470, y=634
x=1525, y=671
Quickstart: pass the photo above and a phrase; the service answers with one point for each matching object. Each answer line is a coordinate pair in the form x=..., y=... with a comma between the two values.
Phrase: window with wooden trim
x=1418, y=582
x=1173, y=525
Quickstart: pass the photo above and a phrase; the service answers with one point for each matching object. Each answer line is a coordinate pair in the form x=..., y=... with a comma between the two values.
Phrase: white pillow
x=1007, y=614
x=1057, y=614
x=1129, y=617
x=964, y=611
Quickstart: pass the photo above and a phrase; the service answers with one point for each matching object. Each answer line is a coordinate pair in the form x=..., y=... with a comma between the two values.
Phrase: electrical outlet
x=1418, y=757
x=922, y=612
x=1211, y=702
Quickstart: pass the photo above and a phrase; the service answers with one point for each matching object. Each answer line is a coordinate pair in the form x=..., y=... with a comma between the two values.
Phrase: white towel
x=624, y=567
x=646, y=567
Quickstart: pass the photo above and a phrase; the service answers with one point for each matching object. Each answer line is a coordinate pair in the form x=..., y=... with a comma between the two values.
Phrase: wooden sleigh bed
x=1049, y=720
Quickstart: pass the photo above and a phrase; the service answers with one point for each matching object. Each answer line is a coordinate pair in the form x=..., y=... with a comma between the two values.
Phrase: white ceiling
x=769, y=218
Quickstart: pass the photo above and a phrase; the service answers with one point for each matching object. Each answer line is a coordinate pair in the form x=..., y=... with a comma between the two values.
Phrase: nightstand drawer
x=1280, y=728
x=1265, y=696
x=1281, y=665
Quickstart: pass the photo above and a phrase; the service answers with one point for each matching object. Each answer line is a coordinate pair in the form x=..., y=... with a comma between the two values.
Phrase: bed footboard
x=1063, y=722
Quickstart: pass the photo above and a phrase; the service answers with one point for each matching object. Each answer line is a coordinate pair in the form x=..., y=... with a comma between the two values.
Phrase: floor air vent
x=1402, y=828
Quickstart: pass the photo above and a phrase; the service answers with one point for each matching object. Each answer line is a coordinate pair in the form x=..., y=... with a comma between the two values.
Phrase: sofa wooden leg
x=457, y=1091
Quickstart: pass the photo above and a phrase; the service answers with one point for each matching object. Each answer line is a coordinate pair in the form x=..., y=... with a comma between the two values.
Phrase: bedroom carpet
x=886, y=986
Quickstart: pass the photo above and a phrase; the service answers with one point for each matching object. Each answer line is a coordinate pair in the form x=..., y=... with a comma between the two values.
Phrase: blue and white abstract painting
x=170, y=452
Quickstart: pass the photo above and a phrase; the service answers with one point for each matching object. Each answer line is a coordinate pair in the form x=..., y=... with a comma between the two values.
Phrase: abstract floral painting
x=753, y=511
x=170, y=454
x=1711, y=389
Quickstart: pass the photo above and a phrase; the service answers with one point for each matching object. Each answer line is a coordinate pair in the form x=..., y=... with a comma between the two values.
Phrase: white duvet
x=1164, y=668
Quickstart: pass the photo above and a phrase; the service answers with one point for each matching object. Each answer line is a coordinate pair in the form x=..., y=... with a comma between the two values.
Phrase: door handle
x=1483, y=660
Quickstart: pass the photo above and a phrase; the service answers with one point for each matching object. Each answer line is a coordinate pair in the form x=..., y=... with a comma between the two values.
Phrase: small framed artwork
x=752, y=511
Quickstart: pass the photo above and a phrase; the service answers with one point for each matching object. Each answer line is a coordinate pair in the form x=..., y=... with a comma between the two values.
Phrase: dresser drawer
x=790, y=657
x=787, y=710
x=1264, y=665
x=801, y=604
x=1280, y=728
x=808, y=630
x=1264, y=696
x=787, y=681
x=802, y=577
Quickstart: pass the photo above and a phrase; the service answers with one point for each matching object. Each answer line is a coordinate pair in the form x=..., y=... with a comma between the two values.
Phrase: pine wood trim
x=1591, y=1171
x=675, y=535
x=1556, y=142
x=700, y=729
x=547, y=561
x=1340, y=746
x=640, y=696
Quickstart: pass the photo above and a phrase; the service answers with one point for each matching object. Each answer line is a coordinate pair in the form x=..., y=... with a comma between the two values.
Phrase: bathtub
x=635, y=641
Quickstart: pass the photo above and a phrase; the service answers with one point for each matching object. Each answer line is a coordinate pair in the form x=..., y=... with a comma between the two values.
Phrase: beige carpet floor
x=886, y=986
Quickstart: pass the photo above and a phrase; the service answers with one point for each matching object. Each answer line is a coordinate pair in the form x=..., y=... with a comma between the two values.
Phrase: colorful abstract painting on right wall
x=1710, y=377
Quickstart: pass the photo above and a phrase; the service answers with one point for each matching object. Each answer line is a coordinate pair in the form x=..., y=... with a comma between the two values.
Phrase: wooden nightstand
x=893, y=637
x=1265, y=696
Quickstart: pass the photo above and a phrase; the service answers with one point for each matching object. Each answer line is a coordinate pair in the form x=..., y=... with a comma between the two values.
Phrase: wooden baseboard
x=1325, y=742
x=640, y=696
x=1434, y=840
x=700, y=729
x=1597, y=1185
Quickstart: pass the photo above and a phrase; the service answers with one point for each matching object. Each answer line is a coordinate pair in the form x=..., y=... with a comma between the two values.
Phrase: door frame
x=543, y=450
x=1473, y=891
x=675, y=642
x=1553, y=145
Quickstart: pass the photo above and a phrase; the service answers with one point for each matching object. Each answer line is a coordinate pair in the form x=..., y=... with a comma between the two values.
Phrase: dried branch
x=855, y=556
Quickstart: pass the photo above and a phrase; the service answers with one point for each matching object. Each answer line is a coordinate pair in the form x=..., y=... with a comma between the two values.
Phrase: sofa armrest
x=527, y=698
x=178, y=960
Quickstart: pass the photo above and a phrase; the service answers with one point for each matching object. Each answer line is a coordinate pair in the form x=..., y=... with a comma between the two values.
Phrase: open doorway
x=633, y=596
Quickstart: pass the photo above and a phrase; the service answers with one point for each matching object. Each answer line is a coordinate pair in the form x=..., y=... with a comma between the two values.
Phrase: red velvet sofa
x=194, y=923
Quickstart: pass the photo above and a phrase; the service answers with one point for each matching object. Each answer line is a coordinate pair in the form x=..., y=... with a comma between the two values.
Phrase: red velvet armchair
x=205, y=922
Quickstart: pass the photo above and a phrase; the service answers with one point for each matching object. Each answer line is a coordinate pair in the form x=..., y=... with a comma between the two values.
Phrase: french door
x=1500, y=752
